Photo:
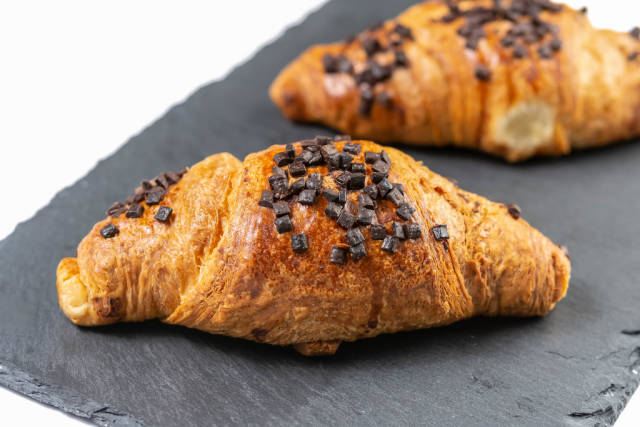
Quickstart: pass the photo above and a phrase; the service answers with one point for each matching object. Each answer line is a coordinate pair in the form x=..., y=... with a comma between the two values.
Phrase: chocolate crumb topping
x=390, y=244
x=514, y=210
x=440, y=232
x=338, y=255
x=109, y=231
x=299, y=243
x=163, y=214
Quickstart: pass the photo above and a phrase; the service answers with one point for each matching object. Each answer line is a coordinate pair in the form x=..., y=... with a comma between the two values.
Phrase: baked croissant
x=309, y=244
x=513, y=78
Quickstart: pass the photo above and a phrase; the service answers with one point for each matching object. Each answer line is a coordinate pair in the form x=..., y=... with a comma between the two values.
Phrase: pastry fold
x=220, y=266
x=514, y=78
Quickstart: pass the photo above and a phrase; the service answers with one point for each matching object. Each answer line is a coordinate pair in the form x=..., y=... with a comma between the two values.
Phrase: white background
x=78, y=78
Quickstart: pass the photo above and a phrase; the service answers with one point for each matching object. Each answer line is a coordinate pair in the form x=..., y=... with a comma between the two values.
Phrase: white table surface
x=79, y=77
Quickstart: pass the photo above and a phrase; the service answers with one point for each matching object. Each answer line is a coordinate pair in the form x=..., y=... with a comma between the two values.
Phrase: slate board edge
x=606, y=409
x=61, y=398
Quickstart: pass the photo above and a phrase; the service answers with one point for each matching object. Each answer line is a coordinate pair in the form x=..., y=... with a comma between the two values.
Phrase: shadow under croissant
x=386, y=347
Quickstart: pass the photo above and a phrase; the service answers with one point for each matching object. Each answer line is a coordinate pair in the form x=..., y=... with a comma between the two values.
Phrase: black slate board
x=575, y=367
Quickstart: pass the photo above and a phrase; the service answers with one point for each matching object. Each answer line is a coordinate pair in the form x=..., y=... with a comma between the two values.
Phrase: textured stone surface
x=575, y=367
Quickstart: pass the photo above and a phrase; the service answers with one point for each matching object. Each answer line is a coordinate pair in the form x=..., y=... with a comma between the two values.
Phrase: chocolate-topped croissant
x=310, y=244
x=515, y=78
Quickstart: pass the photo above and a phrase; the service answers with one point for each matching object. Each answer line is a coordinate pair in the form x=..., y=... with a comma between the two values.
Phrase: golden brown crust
x=585, y=95
x=220, y=266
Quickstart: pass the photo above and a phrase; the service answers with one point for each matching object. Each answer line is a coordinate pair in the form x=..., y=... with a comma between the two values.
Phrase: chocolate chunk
x=545, y=52
x=364, y=201
x=358, y=251
x=358, y=168
x=309, y=145
x=333, y=210
x=116, y=209
x=345, y=160
x=162, y=181
x=296, y=186
x=555, y=44
x=283, y=224
x=366, y=100
x=147, y=184
x=403, y=31
x=632, y=56
x=355, y=236
x=109, y=231
x=304, y=157
x=483, y=73
x=379, y=73
x=281, y=208
x=342, y=138
x=401, y=59
x=342, y=197
x=136, y=197
x=307, y=197
x=635, y=33
x=163, y=214
x=266, y=199
x=371, y=157
x=334, y=161
x=172, y=177
x=371, y=46
x=297, y=169
x=365, y=216
x=395, y=197
x=329, y=63
x=322, y=140
x=338, y=255
x=154, y=196
x=380, y=166
x=290, y=149
x=514, y=210
x=372, y=191
x=343, y=64
x=584, y=10
x=282, y=194
x=412, y=231
x=346, y=220
x=182, y=171
x=327, y=151
x=299, y=243
x=508, y=40
x=357, y=181
x=282, y=159
x=376, y=177
x=449, y=17
x=384, y=186
x=343, y=179
x=385, y=157
x=316, y=159
x=279, y=171
x=278, y=182
x=398, y=186
x=390, y=244
x=397, y=230
x=384, y=99
x=352, y=147
x=440, y=232
x=520, y=52
x=378, y=232
x=330, y=195
x=405, y=211
x=314, y=181
x=135, y=211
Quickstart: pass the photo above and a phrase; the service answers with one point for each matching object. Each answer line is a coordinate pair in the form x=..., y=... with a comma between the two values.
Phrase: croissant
x=309, y=244
x=513, y=78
